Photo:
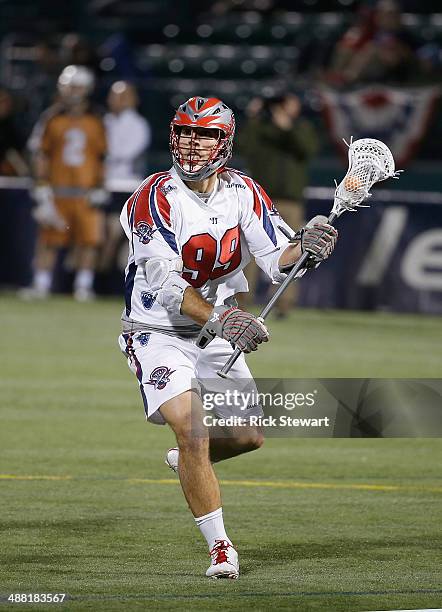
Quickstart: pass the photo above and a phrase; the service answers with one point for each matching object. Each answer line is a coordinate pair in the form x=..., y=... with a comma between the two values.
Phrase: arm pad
x=163, y=277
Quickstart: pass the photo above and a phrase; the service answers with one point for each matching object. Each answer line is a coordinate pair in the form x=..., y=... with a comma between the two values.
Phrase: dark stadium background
x=237, y=50
x=87, y=506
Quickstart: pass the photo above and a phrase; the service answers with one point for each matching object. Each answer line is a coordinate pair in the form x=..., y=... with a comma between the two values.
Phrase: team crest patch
x=144, y=231
x=160, y=377
x=143, y=338
x=148, y=299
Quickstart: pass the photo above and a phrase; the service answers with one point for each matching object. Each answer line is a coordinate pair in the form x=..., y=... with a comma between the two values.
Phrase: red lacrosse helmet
x=206, y=113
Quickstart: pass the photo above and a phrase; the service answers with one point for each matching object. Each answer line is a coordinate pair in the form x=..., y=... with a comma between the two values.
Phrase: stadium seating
x=176, y=49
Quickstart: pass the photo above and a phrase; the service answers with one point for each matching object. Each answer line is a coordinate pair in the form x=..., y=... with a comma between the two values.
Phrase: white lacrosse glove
x=46, y=213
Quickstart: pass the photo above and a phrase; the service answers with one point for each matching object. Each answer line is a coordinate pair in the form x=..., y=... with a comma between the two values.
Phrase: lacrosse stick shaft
x=269, y=307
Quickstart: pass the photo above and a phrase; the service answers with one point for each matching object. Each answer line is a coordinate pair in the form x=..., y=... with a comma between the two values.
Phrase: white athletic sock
x=42, y=280
x=84, y=279
x=212, y=527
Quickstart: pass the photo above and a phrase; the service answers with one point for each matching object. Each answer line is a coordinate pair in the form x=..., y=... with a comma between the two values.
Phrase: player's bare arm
x=230, y=323
x=41, y=167
x=45, y=211
x=195, y=307
x=290, y=256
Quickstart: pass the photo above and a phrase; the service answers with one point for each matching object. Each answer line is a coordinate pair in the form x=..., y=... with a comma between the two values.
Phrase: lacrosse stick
x=369, y=161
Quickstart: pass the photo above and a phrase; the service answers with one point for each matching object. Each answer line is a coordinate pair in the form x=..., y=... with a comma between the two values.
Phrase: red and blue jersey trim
x=139, y=373
x=134, y=198
x=149, y=205
x=160, y=209
x=129, y=286
x=140, y=210
x=262, y=205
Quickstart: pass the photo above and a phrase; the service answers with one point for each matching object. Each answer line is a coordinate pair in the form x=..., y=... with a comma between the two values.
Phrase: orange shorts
x=84, y=224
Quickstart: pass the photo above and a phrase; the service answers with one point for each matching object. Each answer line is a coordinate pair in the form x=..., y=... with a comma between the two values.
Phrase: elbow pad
x=163, y=277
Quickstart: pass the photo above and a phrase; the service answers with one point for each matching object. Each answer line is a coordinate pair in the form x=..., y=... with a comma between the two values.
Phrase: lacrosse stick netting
x=369, y=161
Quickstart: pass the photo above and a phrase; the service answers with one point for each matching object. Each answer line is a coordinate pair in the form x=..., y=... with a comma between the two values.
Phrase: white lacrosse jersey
x=215, y=240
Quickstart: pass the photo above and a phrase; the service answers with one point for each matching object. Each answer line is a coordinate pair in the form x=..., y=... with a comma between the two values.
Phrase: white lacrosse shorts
x=167, y=366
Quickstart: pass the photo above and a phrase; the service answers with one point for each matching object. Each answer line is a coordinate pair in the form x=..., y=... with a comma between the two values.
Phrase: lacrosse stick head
x=369, y=161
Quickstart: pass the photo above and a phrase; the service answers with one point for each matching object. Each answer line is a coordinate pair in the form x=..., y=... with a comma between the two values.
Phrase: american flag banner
x=400, y=117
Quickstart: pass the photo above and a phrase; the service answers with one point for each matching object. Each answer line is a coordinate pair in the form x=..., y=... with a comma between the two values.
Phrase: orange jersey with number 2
x=74, y=147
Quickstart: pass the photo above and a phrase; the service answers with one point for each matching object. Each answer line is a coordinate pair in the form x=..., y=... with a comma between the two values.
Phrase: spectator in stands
x=355, y=38
x=376, y=48
x=11, y=144
x=117, y=54
x=128, y=136
x=223, y=7
x=42, y=81
x=277, y=144
x=430, y=64
x=76, y=50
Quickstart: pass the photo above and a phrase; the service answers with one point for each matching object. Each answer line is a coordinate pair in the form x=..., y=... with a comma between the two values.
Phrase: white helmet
x=75, y=76
x=201, y=112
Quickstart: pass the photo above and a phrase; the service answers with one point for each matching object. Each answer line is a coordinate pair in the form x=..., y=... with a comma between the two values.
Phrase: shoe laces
x=219, y=552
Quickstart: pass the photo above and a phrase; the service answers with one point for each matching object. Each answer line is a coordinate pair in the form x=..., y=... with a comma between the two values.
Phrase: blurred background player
x=128, y=139
x=68, y=146
x=128, y=134
x=277, y=144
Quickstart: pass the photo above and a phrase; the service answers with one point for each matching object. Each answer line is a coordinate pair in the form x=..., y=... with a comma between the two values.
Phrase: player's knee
x=251, y=440
x=257, y=440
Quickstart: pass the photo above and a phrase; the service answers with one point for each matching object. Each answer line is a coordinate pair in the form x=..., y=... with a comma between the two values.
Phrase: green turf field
x=89, y=509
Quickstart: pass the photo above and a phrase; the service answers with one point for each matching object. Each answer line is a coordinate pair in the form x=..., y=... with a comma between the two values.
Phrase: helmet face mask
x=201, y=137
x=197, y=146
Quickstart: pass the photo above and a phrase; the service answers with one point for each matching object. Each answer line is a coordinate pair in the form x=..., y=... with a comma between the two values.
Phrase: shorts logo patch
x=144, y=231
x=160, y=377
x=147, y=299
x=143, y=339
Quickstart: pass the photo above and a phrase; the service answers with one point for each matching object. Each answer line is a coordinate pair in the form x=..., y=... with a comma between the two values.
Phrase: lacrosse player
x=68, y=145
x=191, y=230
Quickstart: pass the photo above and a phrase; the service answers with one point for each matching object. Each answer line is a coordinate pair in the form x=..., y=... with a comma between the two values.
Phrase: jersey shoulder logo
x=165, y=189
x=159, y=377
x=144, y=231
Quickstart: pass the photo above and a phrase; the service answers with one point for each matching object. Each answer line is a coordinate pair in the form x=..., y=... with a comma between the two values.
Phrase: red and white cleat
x=225, y=562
